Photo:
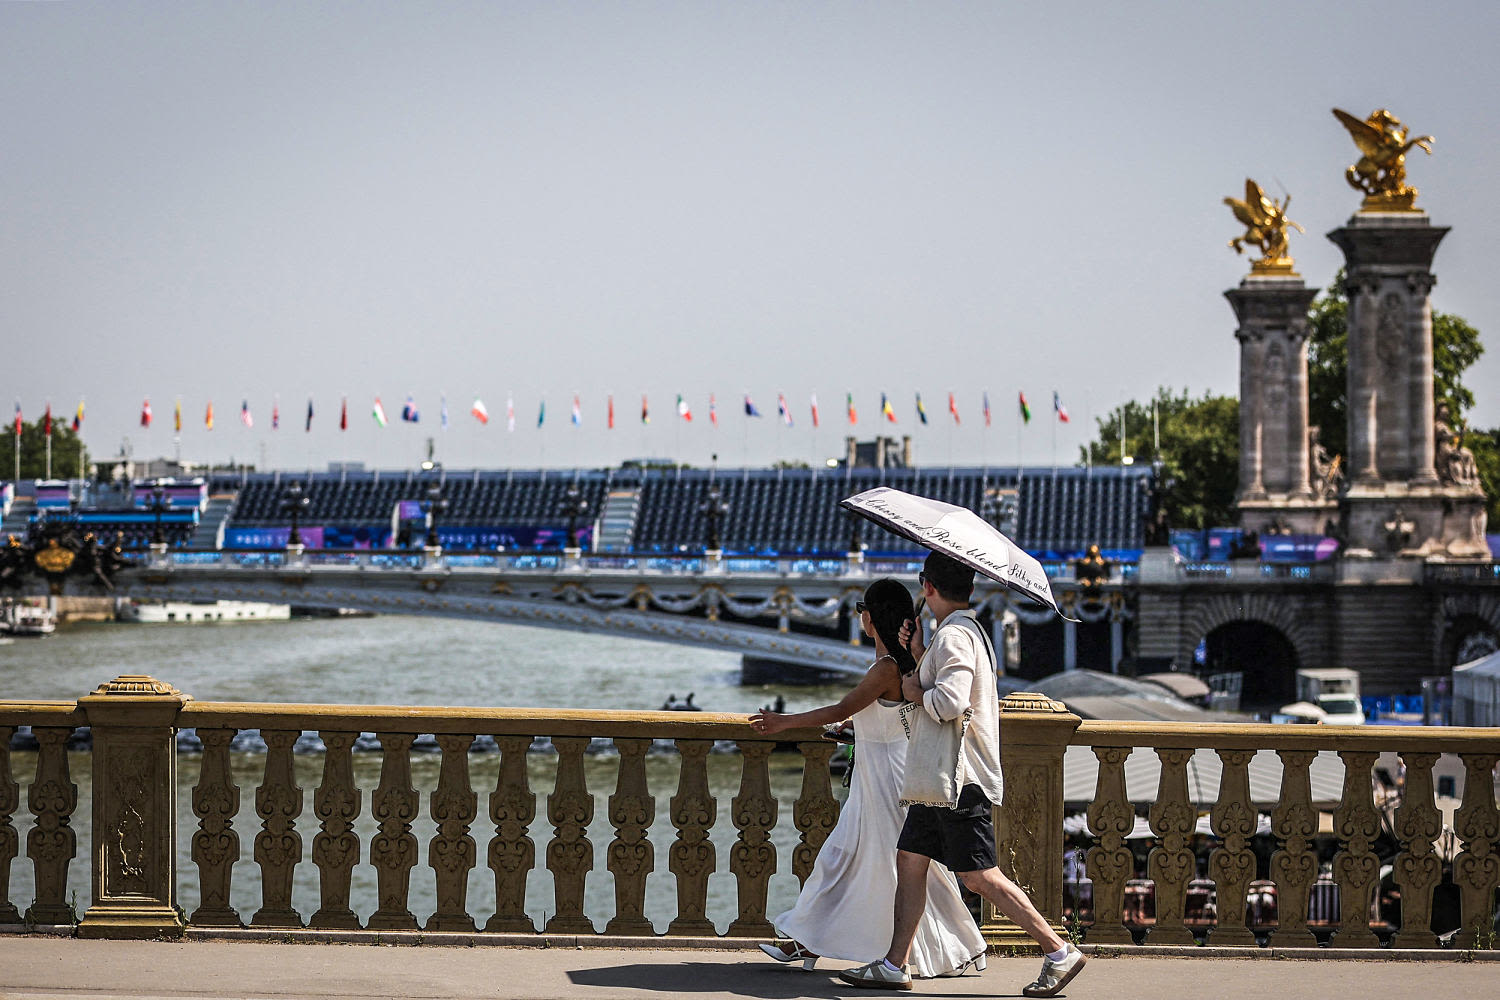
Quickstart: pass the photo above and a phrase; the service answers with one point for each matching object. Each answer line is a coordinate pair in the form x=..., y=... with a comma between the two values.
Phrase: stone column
x=134, y=856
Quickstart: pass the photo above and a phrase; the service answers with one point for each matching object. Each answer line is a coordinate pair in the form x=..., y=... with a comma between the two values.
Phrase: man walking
x=957, y=675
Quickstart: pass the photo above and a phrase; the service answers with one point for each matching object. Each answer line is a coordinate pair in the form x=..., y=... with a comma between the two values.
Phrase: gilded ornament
x=1265, y=225
x=1380, y=171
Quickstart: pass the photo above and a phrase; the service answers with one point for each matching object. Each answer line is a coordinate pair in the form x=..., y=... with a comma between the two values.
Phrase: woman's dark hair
x=889, y=604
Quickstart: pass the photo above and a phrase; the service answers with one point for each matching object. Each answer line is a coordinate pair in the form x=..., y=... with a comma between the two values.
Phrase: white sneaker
x=1056, y=975
x=876, y=976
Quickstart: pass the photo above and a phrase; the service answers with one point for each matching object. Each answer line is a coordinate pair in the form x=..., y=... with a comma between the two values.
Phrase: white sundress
x=846, y=907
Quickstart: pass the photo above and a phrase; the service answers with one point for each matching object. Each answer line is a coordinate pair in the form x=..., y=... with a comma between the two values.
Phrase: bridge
x=787, y=609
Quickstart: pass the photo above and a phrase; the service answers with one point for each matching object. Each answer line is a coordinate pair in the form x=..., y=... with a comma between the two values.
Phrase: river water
x=415, y=661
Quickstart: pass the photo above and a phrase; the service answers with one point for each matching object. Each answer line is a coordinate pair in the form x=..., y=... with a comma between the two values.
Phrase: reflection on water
x=396, y=660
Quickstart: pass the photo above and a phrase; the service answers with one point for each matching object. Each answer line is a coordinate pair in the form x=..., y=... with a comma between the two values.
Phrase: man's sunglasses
x=859, y=607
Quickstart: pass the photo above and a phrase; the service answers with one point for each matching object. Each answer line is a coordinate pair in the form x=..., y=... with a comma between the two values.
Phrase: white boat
x=29, y=620
x=152, y=612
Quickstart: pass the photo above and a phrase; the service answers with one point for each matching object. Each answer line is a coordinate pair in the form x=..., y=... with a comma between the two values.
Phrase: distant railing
x=1214, y=869
x=1250, y=570
x=1465, y=573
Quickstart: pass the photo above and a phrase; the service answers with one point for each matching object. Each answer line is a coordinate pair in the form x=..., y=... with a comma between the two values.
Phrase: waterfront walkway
x=34, y=967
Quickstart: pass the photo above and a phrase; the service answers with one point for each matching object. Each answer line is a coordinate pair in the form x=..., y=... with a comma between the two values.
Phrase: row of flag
x=411, y=414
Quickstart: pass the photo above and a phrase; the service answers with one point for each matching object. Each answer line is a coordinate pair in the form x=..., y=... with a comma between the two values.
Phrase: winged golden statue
x=1381, y=170
x=1265, y=225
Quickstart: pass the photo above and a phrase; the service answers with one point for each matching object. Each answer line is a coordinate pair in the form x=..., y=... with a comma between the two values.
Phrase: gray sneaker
x=876, y=976
x=1056, y=975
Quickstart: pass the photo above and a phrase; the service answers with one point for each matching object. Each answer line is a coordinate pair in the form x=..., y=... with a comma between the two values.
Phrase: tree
x=66, y=460
x=1486, y=448
x=1455, y=348
x=1200, y=452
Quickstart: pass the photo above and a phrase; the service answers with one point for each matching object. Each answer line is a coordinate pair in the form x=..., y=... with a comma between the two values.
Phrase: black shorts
x=962, y=838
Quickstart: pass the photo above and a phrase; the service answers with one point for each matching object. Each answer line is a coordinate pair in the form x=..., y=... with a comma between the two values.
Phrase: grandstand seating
x=787, y=511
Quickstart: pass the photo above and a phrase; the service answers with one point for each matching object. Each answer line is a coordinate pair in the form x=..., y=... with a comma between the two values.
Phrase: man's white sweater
x=958, y=673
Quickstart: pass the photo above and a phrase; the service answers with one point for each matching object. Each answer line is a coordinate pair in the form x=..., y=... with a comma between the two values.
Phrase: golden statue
x=1381, y=170
x=1265, y=224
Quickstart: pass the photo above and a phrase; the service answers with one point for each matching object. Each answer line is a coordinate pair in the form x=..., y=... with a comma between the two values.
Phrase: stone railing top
x=1267, y=736
x=135, y=686
x=40, y=713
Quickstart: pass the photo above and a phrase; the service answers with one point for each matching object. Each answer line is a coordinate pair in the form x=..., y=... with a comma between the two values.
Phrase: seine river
x=414, y=661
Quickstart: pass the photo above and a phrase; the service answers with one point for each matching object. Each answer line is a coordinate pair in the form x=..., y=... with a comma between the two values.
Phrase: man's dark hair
x=949, y=577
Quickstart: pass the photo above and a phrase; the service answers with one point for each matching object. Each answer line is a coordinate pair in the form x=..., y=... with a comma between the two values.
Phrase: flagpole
x=49, y=450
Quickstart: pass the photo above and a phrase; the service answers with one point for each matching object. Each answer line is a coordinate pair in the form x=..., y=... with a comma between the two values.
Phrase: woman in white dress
x=846, y=907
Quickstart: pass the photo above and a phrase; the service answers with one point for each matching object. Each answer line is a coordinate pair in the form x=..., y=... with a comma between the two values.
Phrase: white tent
x=1476, y=692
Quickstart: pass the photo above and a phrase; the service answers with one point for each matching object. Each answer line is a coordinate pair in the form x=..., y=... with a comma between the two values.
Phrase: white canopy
x=1476, y=692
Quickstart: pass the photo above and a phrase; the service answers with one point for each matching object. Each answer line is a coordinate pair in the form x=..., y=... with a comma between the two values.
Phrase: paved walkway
x=33, y=968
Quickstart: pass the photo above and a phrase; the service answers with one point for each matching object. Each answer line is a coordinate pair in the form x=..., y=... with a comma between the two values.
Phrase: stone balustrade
x=365, y=832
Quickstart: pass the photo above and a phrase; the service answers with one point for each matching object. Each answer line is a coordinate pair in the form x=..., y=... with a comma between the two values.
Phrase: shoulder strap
x=972, y=620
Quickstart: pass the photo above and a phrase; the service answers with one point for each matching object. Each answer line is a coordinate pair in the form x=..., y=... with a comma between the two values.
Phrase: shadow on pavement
x=754, y=979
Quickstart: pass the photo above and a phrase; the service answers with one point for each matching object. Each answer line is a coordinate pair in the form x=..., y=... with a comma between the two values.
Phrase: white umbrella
x=957, y=532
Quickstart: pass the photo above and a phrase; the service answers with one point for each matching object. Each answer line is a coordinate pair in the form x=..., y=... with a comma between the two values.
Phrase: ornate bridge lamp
x=436, y=505
x=573, y=506
x=713, y=508
x=158, y=505
x=294, y=503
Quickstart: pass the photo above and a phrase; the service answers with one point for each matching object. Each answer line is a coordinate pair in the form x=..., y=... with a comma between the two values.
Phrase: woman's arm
x=881, y=679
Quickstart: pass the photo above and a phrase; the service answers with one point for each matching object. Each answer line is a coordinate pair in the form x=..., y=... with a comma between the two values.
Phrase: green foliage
x=65, y=445
x=1455, y=348
x=1200, y=452
x=1486, y=448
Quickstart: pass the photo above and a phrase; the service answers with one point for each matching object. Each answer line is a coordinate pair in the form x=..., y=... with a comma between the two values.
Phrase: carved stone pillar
x=134, y=841
x=10, y=841
x=51, y=844
x=752, y=859
x=1034, y=734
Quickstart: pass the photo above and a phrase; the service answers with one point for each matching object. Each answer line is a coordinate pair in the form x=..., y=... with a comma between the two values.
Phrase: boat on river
x=128, y=609
x=28, y=620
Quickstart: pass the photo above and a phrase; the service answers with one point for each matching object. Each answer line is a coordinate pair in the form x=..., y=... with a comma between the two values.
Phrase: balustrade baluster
x=631, y=855
x=51, y=843
x=1110, y=863
x=278, y=846
x=752, y=859
x=1170, y=865
x=1294, y=865
x=10, y=840
x=692, y=853
x=570, y=854
x=335, y=851
x=393, y=851
x=1417, y=870
x=1356, y=867
x=1232, y=864
x=512, y=853
x=816, y=811
x=216, y=845
x=1476, y=869
x=451, y=854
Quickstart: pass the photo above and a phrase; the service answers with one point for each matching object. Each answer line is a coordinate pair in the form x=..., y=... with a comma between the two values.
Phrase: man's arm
x=953, y=660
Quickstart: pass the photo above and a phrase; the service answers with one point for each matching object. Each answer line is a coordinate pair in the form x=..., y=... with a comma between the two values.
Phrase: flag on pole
x=78, y=417
x=208, y=415
x=921, y=410
x=18, y=419
x=541, y=414
x=782, y=411
x=344, y=413
x=480, y=413
x=713, y=410
x=47, y=420
x=1025, y=408
x=1062, y=411
x=408, y=412
x=177, y=415
x=378, y=412
x=577, y=415
x=443, y=411
x=275, y=413
x=849, y=405
x=645, y=410
x=145, y=413
x=750, y=410
x=885, y=408
x=308, y=426
x=245, y=417
x=953, y=408
x=609, y=411
x=683, y=409
x=510, y=413
x=986, y=408
x=815, y=410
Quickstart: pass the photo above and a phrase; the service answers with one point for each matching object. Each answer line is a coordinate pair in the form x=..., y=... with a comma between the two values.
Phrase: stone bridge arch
x=1468, y=627
x=1292, y=619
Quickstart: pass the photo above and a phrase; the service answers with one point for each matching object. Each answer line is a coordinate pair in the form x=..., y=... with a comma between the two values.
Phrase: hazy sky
x=232, y=201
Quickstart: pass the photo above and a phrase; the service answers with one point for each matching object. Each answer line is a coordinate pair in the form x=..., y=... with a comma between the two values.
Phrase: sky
x=273, y=202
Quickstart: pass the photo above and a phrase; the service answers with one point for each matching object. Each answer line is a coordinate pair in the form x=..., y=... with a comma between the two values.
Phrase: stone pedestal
x=134, y=854
x=1278, y=486
x=1397, y=502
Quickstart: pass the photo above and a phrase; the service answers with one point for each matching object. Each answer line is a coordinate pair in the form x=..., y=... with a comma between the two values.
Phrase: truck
x=1335, y=690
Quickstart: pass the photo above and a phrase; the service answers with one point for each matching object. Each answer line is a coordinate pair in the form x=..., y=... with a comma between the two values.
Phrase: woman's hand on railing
x=767, y=723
